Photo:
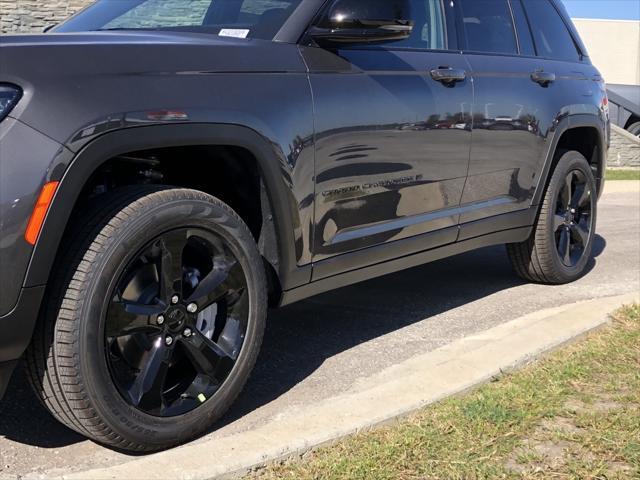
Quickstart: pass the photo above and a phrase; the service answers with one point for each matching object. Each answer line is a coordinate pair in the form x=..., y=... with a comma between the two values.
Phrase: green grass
x=622, y=174
x=573, y=415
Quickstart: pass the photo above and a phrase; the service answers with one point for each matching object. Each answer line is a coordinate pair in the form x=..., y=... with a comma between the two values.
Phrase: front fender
x=75, y=172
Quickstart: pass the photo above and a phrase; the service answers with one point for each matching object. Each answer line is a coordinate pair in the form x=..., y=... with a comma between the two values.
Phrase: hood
x=71, y=81
x=96, y=53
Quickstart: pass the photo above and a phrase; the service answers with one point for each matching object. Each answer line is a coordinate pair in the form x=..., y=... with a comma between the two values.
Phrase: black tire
x=538, y=259
x=70, y=360
x=634, y=129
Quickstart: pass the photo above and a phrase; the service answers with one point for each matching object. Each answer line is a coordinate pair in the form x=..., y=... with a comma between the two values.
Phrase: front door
x=392, y=142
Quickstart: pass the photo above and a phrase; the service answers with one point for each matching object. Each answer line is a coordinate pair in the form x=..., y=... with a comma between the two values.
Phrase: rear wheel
x=156, y=323
x=561, y=243
x=634, y=129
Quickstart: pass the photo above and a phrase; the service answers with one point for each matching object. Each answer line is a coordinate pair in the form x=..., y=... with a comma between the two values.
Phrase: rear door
x=392, y=143
x=512, y=113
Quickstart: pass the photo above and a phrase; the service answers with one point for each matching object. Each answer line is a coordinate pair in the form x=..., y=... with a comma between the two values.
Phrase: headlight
x=9, y=97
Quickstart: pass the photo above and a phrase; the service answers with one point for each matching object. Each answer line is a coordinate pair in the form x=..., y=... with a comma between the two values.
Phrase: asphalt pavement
x=323, y=346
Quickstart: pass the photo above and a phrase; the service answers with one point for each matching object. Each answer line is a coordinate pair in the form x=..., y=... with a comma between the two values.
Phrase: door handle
x=543, y=78
x=448, y=76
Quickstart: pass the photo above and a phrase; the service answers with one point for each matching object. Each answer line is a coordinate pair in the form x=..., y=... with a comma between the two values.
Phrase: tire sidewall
x=569, y=162
x=193, y=210
x=634, y=129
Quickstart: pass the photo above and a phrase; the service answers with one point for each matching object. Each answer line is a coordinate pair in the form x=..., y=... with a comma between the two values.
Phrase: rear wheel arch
x=273, y=195
x=584, y=134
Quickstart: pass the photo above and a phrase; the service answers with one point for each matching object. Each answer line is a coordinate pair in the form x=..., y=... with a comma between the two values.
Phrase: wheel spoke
x=127, y=317
x=170, y=270
x=567, y=190
x=231, y=338
x=226, y=277
x=564, y=246
x=580, y=233
x=205, y=354
x=558, y=222
x=147, y=388
x=580, y=196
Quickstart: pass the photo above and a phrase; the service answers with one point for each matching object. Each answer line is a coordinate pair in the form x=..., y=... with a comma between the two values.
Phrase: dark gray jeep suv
x=171, y=168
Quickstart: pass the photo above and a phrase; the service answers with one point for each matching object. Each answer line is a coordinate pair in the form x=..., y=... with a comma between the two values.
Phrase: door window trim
x=529, y=29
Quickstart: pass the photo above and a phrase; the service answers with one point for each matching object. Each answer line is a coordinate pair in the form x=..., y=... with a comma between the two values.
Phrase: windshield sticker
x=234, y=32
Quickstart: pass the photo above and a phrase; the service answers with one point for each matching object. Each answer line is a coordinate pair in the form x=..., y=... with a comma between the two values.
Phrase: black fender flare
x=564, y=125
x=78, y=171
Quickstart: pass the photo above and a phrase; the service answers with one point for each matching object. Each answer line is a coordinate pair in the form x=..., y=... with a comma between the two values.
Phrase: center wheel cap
x=176, y=317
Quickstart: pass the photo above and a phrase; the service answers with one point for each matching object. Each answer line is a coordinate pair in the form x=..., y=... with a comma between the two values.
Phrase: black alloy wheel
x=177, y=322
x=560, y=245
x=154, y=320
x=573, y=220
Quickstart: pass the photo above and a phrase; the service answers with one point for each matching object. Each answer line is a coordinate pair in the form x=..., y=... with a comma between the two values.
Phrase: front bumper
x=16, y=329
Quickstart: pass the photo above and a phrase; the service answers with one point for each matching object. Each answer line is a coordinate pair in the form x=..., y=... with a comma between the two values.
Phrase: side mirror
x=359, y=21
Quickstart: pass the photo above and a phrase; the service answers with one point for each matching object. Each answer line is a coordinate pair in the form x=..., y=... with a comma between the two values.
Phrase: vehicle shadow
x=301, y=337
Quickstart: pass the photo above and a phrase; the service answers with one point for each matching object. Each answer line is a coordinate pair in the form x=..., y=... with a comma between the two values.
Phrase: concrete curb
x=394, y=392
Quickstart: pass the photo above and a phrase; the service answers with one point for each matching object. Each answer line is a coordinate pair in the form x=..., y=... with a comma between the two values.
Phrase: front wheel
x=560, y=246
x=155, y=320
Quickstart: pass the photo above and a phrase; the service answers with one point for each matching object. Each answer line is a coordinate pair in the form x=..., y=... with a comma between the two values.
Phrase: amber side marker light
x=40, y=211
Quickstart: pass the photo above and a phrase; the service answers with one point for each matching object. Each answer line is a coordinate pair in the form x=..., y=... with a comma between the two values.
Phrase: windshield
x=234, y=18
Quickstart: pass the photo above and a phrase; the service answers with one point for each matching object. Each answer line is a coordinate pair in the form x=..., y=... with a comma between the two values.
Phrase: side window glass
x=488, y=26
x=522, y=26
x=550, y=33
x=429, y=30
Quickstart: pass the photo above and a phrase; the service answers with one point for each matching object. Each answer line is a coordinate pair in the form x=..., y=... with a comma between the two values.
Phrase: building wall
x=625, y=149
x=614, y=47
x=33, y=15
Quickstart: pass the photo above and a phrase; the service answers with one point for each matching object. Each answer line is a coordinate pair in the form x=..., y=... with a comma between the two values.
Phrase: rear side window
x=550, y=33
x=488, y=26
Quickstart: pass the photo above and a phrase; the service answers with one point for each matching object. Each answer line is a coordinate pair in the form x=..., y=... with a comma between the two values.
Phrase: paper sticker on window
x=234, y=32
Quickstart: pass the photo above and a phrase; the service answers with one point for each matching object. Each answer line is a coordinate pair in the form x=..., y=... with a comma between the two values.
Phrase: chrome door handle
x=448, y=76
x=543, y=78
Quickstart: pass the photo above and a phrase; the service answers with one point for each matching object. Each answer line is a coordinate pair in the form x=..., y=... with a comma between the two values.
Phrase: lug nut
x=192, y=308
x=187, y=332
x=175, y=299
x=160, y=320
x=168, y=341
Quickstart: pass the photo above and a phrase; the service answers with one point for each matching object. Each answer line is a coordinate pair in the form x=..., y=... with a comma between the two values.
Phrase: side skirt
x=354, y=276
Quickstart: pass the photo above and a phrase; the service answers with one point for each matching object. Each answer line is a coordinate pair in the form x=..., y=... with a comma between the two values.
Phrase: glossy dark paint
x=369, y=164
x=512, y=119
x=392, y=146
x=22, y=173
x=208, y=80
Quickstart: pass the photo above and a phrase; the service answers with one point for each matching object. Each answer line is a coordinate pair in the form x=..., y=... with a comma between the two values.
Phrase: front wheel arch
x=75, y=171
